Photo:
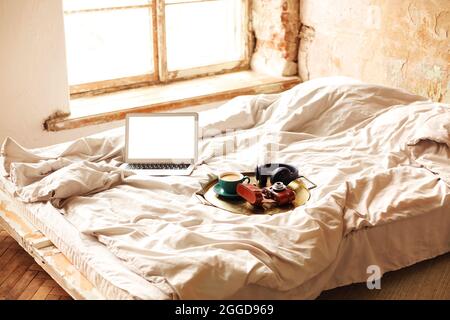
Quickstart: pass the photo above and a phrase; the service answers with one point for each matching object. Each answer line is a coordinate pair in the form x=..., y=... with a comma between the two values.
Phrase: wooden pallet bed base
x=46, y=254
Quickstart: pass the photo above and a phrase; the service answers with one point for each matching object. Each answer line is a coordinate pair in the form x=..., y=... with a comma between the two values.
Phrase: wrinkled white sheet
x=360, y=143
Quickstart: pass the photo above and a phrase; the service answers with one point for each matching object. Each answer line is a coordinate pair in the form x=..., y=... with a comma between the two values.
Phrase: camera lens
x=278, y=186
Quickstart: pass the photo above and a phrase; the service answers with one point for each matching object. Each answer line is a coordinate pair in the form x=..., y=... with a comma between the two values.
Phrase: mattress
x=380, y=157
x=390, y=247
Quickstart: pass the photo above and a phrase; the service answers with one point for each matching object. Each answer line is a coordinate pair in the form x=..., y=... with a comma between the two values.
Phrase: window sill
x=109, y=107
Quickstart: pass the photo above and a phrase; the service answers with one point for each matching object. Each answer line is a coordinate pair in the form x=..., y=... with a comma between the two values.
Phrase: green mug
x=230, y=179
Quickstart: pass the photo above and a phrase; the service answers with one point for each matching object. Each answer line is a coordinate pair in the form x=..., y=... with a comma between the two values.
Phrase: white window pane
x=203, y=33
x=111, y=44
x=71, y=5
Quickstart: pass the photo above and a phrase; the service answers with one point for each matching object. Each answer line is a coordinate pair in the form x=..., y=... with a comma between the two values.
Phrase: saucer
x=219, y=191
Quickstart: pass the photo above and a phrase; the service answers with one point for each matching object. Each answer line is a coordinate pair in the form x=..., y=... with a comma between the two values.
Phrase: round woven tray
x=243, y=207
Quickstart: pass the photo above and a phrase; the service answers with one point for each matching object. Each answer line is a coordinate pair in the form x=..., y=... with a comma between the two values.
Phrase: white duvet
x=377, y=154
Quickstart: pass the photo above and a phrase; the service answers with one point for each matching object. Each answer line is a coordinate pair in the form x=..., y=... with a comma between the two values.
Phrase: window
x=116, y=44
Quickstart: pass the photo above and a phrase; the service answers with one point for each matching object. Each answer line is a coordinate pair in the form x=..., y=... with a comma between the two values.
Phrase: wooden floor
x=22, y=278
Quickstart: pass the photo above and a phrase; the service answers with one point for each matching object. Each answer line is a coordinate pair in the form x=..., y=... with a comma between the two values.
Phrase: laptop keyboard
x=158, y=166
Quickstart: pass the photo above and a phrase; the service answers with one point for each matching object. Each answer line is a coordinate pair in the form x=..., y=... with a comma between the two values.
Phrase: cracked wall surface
x=276, y=25
x=401, y=43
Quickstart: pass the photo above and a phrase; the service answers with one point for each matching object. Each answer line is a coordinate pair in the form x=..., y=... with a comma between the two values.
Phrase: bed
x=380, y=157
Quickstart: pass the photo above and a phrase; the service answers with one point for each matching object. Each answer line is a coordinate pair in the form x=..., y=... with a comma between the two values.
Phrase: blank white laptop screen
x=161, y=137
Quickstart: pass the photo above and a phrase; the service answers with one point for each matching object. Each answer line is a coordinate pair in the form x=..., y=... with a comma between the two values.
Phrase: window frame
x=161, y=74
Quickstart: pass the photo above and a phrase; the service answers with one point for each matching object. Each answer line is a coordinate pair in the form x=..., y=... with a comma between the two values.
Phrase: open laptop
x=161, y=144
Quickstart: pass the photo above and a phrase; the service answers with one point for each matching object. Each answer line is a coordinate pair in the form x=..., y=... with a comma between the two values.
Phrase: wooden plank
x=7, y=257
x=161, y=32
x=36, y=267
x=32, y=288
x=115, y=106
x=67, y=276
x=41, y=293
x=43, y=275
x=49, y=258
x=57, y=290
x=155, y=41
x=50, y=283
x=170, y=2
x=12, y=223
x=205, y=71
x=101, y=9
x=20, y=286
x=8, y=240
x=40, y=243
x=13, y=278
x=105, y=86
x=5, y=246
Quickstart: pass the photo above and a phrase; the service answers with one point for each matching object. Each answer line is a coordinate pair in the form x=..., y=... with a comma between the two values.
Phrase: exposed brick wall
x=276, y=26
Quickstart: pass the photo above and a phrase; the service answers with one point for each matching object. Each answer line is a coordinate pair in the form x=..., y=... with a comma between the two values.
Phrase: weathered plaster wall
x=402, y=43
x=276, y=25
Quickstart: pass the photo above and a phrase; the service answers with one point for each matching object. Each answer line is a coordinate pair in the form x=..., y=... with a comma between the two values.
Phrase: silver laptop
x=161, y=144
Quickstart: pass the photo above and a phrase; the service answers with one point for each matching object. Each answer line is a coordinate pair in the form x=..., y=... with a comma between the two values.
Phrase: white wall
x=33, y=81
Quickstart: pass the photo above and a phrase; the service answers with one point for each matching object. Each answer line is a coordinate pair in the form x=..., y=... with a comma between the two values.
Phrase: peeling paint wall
x=276, y=25
x=401, y=43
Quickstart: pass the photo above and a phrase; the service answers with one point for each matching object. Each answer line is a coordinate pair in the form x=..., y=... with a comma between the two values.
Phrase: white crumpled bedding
x=378, y=155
